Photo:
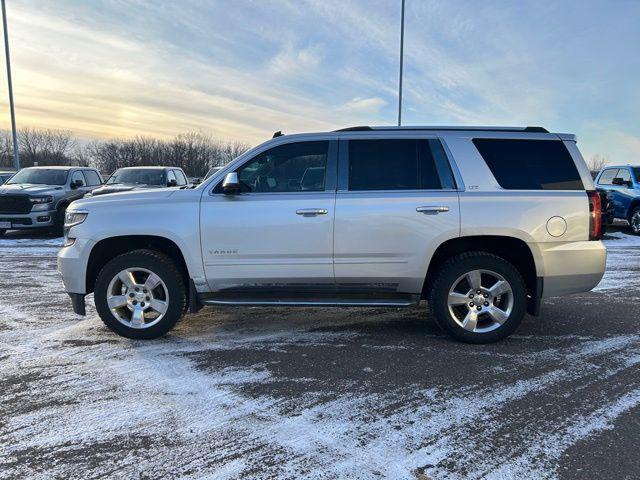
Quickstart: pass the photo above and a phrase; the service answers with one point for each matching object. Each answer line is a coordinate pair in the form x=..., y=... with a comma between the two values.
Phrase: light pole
x=16, y=159
x=401, y=61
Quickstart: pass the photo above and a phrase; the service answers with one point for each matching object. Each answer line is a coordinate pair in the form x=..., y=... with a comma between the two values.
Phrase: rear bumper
x=571, y=267
x=31, y=220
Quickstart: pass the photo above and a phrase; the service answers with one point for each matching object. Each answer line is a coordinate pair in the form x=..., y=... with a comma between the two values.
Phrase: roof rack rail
x=355, y=129
x=479, y=129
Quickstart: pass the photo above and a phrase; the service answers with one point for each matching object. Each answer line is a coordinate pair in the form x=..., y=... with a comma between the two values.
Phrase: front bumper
x=26, y=221
x=571, y=267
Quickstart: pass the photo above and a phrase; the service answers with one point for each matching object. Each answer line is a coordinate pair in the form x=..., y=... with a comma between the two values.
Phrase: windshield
x=40, y=176
x=139, y=177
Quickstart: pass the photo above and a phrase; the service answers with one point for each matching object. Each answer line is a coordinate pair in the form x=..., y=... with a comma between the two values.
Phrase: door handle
x=432, y=210
x=311, y=212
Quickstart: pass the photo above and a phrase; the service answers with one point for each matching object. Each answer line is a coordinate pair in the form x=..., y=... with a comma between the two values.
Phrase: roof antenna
x=277, y=134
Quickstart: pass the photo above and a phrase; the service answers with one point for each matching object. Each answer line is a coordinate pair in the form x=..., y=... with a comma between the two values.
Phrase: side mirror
x=172, y=183
x=621, y=182
x=231, y=184
x=76, y=184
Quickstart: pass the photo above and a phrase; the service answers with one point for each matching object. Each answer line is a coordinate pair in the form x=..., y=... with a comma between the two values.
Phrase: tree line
x=194, y=152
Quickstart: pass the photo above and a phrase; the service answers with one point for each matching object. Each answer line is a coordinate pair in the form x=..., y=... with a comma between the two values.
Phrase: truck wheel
x=140, y=294
x=634, y=220
x=58, y=221
x=2, y=232
x=478, y=297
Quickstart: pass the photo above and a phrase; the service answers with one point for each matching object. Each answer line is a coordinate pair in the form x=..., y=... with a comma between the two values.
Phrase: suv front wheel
x=478, y=297
x=140, y=294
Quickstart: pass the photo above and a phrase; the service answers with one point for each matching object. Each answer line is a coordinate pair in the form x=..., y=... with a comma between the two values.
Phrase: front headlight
x=71, y=219
x=39, y=200
x=74, y=218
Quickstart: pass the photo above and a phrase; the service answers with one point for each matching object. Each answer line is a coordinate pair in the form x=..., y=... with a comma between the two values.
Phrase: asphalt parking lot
x=317, y=393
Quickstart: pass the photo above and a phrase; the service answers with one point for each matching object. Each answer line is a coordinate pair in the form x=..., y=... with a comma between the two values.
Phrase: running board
x=312, y=303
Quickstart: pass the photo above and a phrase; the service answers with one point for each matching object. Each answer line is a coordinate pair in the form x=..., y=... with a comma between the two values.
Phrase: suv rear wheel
x=140, y=294
x=634, y=220
x=478, y=297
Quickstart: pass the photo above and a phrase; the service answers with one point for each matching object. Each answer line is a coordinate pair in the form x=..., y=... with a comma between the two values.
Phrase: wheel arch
x=111, y=247
x=514, y=250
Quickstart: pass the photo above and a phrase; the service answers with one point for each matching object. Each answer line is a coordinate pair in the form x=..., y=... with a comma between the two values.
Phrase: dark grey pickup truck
x=37, y=197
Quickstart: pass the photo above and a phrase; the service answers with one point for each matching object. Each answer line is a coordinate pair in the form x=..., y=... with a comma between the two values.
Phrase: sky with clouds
x=241, y=69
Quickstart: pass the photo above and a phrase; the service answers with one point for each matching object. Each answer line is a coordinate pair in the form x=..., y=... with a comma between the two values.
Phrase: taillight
x=595, y=215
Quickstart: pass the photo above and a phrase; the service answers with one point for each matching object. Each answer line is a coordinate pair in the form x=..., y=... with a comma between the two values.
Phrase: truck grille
x=14, y=204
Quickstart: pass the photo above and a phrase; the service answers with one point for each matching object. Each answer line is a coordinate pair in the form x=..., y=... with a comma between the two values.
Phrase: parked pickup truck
x=135, y=178
x=622, y=183
x=37, y=197
x=483, y=223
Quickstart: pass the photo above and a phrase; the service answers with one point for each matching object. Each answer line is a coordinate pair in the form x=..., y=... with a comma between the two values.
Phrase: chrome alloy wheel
x=137, y=298
x=635, y=222
x=480, y=301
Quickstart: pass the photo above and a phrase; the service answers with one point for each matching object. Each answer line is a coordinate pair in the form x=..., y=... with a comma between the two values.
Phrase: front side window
x=40, y=176
x=398, y=164
x=636, y=173
x=530, y=164
x=78, y=178
x=624, y=174
x=171, y=177
x=607, y=176
x=294, y=167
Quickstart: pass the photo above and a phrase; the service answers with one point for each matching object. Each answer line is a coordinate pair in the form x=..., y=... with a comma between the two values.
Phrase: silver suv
x=482, y=223
x=37, y=197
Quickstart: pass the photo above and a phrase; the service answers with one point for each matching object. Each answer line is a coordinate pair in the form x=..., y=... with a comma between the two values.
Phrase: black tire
x=457, y=267
x=2, y=232
x=634, y=221
x=58, y=221
x=165, y=268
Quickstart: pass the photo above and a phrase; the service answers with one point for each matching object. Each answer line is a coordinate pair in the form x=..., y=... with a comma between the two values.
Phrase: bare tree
x=45, y=147
x=597, y=161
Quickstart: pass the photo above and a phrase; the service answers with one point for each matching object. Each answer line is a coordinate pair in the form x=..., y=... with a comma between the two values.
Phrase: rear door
x=397, y=201
x=277, y=234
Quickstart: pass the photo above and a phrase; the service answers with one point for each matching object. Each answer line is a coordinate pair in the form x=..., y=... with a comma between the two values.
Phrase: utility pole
x=401, y=61
x=16, y=159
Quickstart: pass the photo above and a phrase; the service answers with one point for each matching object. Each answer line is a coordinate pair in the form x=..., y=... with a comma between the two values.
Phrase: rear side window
x=530, y=164
x=92, y=177
x=398, y=164
x=607, y=176
x=182, y=180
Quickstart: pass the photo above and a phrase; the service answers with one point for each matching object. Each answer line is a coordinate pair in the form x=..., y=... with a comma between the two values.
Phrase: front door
x=396, y=202
x=277, y=234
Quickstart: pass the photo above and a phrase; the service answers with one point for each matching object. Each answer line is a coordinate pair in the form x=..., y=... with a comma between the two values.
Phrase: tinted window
x=140, y=176
x=92, y=178
x=624, y=174
x=40, y=176
x=530, y=164
x=77, y=176
x=607, y=176
x=397, y=165
x=182, y=180
x=636, y=172
x=294, y=167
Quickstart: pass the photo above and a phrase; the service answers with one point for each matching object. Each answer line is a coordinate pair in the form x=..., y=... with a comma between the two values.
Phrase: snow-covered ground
x=316, y=393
